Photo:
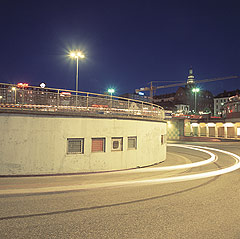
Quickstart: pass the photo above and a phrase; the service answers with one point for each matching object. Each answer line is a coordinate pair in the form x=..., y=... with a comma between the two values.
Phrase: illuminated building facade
x=221, y=99
x=186, y=96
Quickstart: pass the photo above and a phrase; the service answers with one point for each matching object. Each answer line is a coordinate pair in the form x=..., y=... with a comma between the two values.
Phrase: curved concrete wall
x=37, y=144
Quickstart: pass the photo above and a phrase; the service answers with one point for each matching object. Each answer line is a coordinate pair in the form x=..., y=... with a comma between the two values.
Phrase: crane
x=152, y=88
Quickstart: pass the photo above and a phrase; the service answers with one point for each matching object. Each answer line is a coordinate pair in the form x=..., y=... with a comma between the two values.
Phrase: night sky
x=127, y=43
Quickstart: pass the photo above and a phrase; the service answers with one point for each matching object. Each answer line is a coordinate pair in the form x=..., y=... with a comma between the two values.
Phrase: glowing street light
x=111, y=91
x=15, y=94
x=195, y=91
x=42, y=85
x=76, y=55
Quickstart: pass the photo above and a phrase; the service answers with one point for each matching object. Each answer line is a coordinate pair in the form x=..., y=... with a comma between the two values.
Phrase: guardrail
x=33, y=98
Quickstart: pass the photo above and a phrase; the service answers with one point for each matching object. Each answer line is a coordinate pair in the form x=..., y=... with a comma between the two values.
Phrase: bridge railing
x=60, y=100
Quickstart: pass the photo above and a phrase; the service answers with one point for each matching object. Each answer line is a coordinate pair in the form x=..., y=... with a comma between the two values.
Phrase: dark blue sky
x=127, y=43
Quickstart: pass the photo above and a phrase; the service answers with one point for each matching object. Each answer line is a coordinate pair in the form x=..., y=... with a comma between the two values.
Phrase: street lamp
x=195, y=90
x=111, y=91
x=77, y=55
x=15, y=94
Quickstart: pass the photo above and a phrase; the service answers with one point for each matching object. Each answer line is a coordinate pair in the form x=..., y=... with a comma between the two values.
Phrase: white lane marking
x=138, y=182
x=193, y=176
x=175, y=167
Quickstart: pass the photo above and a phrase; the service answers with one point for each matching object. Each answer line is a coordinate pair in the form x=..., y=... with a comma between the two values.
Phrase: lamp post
x=111, y=91
x=77, y=55
x=15, y=94
x=195, y=90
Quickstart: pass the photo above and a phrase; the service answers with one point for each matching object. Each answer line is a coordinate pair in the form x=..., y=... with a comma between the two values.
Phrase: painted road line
x=137, y=182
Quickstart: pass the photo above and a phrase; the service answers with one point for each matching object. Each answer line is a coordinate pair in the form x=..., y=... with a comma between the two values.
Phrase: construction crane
x=152, y=88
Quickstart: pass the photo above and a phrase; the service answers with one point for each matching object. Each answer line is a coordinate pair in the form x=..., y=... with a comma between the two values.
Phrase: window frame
x=104, y=144
x=121, y=144
x=81, y=145
x=135, y=138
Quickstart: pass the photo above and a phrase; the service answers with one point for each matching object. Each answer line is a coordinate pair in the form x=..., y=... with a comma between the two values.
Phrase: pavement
x=71, y=182
x=207, y=139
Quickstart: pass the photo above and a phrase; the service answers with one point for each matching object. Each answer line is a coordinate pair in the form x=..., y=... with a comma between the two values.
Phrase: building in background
x=166, y=101
x=140, y=96
x=221, y=99
x=184, y=101
x=231, y=109
x=185, y=96
x=182, y=109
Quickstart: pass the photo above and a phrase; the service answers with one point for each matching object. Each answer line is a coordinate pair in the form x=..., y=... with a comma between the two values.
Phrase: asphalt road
x=203, y=208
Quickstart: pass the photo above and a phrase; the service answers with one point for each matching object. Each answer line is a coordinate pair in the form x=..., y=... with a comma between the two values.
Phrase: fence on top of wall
x=30, y=98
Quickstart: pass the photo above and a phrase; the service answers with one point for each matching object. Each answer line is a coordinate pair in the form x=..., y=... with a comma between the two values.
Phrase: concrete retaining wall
x=37, y=144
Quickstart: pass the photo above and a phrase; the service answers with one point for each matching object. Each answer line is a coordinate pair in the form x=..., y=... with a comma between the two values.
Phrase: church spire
x=190, y=79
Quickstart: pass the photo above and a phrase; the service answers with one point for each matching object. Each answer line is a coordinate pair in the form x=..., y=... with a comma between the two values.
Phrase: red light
x=65, y=94
x=22, y=85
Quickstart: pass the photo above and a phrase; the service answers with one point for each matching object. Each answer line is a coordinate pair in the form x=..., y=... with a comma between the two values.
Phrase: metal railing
x=58, y=100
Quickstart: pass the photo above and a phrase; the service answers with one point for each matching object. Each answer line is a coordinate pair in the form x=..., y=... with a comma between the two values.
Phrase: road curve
x=206, y=207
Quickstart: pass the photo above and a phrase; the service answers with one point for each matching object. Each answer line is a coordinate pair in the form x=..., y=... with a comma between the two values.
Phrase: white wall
x=37, y=144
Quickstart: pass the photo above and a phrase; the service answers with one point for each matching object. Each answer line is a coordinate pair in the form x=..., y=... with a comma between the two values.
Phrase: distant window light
x=132, y=142
x=98, y=144
x=75, y=145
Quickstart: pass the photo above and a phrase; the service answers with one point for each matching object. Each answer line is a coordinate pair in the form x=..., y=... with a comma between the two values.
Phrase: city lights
x=22, y=85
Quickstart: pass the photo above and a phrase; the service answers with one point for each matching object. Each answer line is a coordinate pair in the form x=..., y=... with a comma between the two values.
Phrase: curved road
x=154, y=202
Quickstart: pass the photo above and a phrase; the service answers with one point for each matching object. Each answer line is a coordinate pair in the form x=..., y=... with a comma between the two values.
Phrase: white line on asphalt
x=175, y=167
x=140, y=182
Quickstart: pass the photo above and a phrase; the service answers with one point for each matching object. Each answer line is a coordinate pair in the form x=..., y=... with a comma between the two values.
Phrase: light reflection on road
x=213, y=158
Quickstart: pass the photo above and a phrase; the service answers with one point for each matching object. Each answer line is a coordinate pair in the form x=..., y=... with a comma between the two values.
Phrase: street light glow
x=72, y=54
x=111, y=91
x=76, y=54
x=195, y=90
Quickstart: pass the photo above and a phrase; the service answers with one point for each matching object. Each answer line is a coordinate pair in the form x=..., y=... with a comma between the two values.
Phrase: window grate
x=132, y=142
x=75, y=146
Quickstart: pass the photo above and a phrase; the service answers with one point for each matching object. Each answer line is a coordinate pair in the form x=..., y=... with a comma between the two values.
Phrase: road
x=129, y=204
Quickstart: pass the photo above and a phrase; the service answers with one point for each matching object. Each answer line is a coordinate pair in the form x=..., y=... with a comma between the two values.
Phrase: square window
x=75, y=145
x=132, y=142
x=98, y=144
x=117, y=144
